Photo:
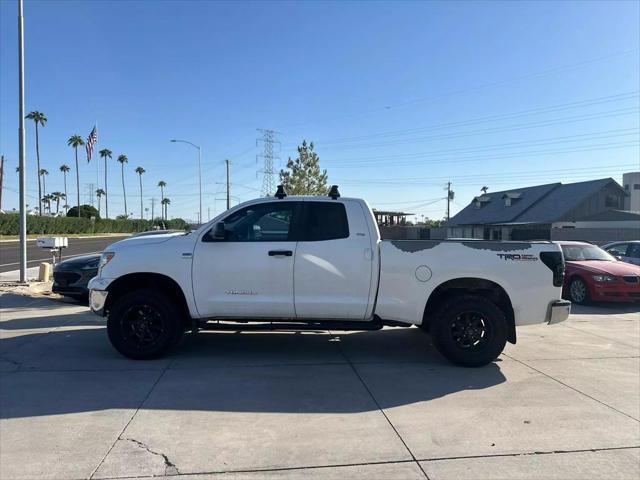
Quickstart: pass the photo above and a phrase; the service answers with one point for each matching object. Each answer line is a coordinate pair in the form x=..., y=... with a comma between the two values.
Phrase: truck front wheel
x=469, y=330
x=144, y=325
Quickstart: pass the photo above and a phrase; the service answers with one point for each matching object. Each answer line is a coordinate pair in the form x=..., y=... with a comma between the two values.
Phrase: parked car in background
x=626, y=251
x=70, y=277
x=591, y=274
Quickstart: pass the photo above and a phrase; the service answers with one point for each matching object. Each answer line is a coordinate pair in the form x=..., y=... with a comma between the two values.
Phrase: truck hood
x=143, y=240
x=601, y=266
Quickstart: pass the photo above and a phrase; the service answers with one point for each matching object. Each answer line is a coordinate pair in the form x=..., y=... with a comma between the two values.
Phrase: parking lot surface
x=564, y=403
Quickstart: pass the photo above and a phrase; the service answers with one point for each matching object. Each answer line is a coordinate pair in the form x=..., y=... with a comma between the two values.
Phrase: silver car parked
x=628, y=251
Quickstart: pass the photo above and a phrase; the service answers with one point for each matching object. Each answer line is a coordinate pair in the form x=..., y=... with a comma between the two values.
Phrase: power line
x=502, y=129
x=552, y=70
x=488, y=118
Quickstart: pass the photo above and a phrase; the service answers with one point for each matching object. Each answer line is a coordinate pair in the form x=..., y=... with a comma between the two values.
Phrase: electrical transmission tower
x=268, y=141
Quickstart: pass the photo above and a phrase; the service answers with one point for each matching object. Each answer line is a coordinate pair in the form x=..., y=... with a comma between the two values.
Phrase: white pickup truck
x=318, y=263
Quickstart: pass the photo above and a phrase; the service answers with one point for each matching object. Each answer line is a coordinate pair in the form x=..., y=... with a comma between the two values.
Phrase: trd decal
x=520, y=257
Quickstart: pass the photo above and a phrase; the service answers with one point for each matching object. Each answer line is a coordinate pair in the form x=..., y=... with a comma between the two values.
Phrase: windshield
x=573, y=253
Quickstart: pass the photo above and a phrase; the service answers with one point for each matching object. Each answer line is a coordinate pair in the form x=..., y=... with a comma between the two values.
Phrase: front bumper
x=620, y=291
x=559, y=311
x=97, y=301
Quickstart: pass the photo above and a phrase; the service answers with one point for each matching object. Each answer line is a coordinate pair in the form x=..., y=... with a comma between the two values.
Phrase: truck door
x=333, y=262
x=250, y=272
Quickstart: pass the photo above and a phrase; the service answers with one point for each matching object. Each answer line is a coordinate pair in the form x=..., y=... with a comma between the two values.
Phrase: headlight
x=105, y=258
x=604, y=278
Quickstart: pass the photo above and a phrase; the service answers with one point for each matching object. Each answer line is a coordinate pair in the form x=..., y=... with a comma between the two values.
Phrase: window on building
x=636, y=186
x=612, y=201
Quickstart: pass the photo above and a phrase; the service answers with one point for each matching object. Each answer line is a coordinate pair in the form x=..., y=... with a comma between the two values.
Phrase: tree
x=85, y=211
x=165, y=203
x=100, y=193
x=162, y=184
x=57, y=196
x=140, y=171
x=38, y=118
x=76, y=141
x=46, y=200
x=304, y=176
x=105, y=153
x=43, y=174
x=65, y=169
x=123, y=159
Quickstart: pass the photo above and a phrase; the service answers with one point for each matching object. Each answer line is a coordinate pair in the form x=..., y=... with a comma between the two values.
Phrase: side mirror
x=217, y=233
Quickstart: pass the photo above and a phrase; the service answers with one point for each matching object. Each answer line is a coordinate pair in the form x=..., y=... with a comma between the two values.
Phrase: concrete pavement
x=563, y=403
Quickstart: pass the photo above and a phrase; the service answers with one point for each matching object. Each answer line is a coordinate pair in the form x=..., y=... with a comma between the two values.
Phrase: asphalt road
x=77, y=246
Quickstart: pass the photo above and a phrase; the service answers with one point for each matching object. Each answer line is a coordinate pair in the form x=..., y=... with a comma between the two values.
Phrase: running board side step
x=225, y=325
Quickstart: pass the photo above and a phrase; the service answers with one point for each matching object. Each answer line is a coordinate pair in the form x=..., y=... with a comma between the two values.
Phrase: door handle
x=280, y=253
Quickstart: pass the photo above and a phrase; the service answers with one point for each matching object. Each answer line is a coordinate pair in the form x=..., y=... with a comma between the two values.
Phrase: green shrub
x=86, y=211
x=67, y=225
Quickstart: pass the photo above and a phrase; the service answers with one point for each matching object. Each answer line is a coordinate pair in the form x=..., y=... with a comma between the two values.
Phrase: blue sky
x=399, y=98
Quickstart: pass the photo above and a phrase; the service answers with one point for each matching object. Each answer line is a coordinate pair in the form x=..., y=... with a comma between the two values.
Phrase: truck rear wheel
x=144, y=324
x=469, y=330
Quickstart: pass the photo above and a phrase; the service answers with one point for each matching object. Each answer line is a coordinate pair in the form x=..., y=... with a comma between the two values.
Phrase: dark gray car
x=70, y=277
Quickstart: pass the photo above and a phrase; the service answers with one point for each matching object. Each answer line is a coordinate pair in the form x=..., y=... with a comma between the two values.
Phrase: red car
x=591, y=274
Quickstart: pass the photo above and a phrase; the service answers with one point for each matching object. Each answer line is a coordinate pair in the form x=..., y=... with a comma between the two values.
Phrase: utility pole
x=1, y=178
x=268, y=140
x=208, y=213
x=21, y=149
x=228, y=191
x=450, y=195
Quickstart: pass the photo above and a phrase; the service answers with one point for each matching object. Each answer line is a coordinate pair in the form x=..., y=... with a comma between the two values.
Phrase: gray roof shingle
x=539, y=204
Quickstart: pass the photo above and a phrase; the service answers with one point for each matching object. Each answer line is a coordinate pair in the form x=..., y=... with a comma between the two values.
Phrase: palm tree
x=105, y=153
x=57, y=196
x=76, y=141
x=165, y=203
x=47, y=202
x=161, y=184
x=140, y=171
x=38, y=118
x=65, y=169
x=484, y=190
x=123, y=159
x=43, y=174
x=99, y=193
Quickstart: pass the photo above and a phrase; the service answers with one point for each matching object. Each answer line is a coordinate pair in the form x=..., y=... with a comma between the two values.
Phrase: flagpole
x=97, y=162
x=21, y=149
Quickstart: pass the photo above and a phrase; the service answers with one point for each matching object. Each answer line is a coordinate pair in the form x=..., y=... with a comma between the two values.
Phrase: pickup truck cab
x=319, y=263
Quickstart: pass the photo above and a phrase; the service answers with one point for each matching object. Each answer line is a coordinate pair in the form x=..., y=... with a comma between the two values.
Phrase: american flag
x=91, y=140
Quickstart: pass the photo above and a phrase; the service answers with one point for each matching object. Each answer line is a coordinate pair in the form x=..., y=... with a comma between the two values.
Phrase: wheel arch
x=472, y=286
x=141, y=280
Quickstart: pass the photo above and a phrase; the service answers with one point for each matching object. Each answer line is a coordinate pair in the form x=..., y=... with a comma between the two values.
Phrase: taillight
x=555, y=262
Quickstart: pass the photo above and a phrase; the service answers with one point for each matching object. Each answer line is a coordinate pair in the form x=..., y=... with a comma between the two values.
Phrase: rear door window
x=324, y=221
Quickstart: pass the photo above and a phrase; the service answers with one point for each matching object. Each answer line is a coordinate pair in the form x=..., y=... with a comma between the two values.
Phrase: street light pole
x=21, y=149
x=199, y=173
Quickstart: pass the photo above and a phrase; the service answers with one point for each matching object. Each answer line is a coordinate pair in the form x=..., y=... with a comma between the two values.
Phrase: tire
x=144, y=324
x=578, y=291
x=469, y=331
